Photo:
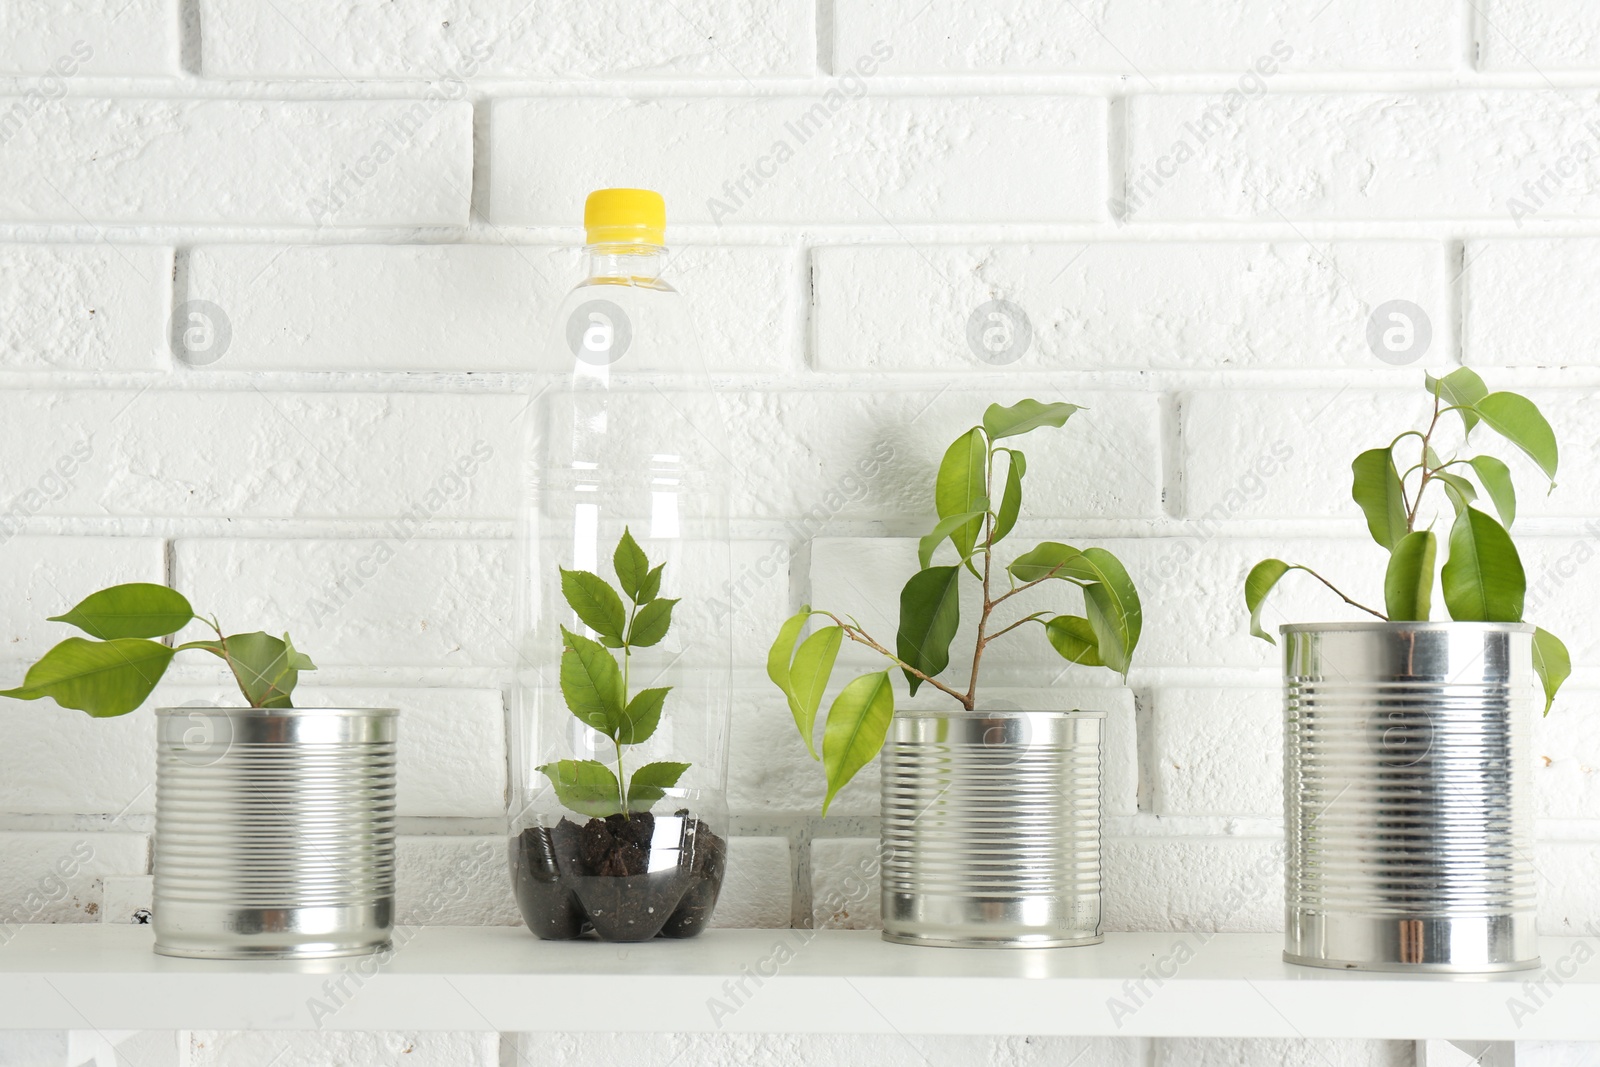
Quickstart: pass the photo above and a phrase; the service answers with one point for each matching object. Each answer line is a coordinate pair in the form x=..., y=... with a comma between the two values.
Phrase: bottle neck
x=627, y=264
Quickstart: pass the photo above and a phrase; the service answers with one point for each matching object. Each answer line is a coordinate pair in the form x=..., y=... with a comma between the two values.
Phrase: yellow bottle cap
x=625, y=216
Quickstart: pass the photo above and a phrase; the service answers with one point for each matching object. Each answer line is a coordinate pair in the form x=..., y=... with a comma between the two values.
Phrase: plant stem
x=861, y=637
x=988, y=605
x=1416, y=502
x=627, y=662
x=1347, y=600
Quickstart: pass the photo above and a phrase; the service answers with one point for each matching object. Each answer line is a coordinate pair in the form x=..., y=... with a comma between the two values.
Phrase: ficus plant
x=596, y=683
x=978, y=497
x=115, y=673
x=1481, y=577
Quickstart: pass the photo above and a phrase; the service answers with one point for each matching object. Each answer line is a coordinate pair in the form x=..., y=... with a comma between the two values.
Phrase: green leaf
x=1074, y=638
x=596, y=603
x=1377, y=489
x=782, y=650
x=266, y=668
x=813, y=665
x=857, y=724
x=651, y=782
x=1257, y=584
x=961, y=487
x=1483, y=579
x=1457, y=488
x=1515, y=418
x=1496, y=479
x=944, y=528
x=1023, y=416
x=591, y=682
x=1408, y=584
x=1551, y=663
x=586, y=786
x=930, y=614
x=633, y=567
x=1112, y=604
x=652, y=585
x=297, y=659
x=1460, y=389
x=651, y=624
x=138, y=609
x=104, y=678
x=1048, y=559
x=1011, y=497
x=642, y=715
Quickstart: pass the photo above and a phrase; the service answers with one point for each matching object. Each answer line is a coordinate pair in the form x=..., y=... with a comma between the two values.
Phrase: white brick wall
x=1197, y=207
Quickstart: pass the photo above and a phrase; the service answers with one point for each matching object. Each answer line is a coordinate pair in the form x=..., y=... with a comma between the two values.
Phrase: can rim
x=1438, y=626
x=979, y=713
x=284, y=713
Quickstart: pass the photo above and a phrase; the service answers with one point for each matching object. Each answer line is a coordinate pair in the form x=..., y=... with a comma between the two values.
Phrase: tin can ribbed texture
x=991, y=828
x=274, y=831
x=1408, y=820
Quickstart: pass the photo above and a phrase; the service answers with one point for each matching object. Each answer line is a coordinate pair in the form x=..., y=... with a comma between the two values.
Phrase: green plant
x=115, y=673
x=1482, y=578
x=595, y=685
x=1104, y=635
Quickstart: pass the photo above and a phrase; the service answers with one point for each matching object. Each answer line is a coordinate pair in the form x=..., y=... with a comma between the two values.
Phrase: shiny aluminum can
x=991, y=828
x=1408, y=819
x=274, y=832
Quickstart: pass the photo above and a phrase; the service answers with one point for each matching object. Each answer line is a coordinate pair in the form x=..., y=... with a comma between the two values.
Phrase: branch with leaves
x=1482, y=578
x=596, y=685
x=1105, y=635
x=115, y=673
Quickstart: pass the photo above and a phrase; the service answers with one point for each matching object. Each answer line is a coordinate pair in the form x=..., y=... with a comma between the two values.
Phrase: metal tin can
x=274, y=832
x=991, y=828
x=1408, y=821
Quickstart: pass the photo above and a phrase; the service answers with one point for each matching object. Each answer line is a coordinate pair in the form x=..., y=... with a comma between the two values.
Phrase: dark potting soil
x=570, y=879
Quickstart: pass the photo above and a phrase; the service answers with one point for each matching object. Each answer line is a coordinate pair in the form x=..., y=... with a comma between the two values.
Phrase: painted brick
x=55, y=877
x=1527, y=303
x=453, y=881
x=388, y=602
x=1528, y=36
x=1216, y=35
x=470, y=308
x=873, y=455
x=59, y=761
x=83, y=307
x=1250, y=454
x=297, y=163
x=89, y=38
x=1566, y=757
x=440, y=39
x=906, y=159
x=756, y=892
x=1089, y=306
x=1565, y=868
x=1218, y=752
x=289, y=454
x=1358, y=155
x=315, y=1048
x=1200, y=883
x=844, y=884
x=45, y=576
x=1275, y=1052
x=34, y=1048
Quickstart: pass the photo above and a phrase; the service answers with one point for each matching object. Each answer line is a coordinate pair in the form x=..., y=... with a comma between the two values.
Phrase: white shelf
x=495, y=978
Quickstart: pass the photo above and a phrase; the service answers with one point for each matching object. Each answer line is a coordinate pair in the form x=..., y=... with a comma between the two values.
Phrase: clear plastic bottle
x=627, y=477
